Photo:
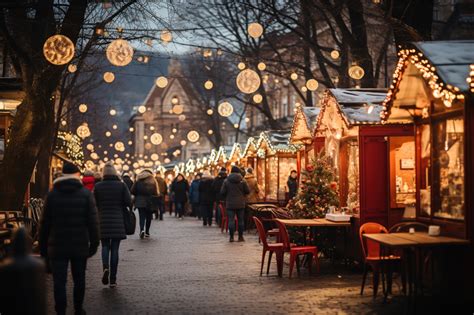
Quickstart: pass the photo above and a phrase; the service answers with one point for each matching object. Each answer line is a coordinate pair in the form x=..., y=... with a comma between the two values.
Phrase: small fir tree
x=318, y=190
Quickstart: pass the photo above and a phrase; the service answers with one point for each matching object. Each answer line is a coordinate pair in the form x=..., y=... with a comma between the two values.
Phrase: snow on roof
x=359, y=96
x=451, y=59
x=360, y=114
x=311, y=115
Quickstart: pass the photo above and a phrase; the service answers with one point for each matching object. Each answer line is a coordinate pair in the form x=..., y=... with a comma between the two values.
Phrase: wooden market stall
x=374, y=161
x=433, y=89
x=249, y=153
x=235, y=156
x=302, y=133
x=276, y=157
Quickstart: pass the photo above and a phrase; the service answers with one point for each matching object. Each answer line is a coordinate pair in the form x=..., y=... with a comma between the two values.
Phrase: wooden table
x=411, y=244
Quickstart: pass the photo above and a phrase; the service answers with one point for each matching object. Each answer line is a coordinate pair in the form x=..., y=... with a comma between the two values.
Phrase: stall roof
x=304, y=122
x=359, y=96
x=277, y=141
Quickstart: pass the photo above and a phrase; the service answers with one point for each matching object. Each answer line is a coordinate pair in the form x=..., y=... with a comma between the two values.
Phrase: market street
x=187, y=268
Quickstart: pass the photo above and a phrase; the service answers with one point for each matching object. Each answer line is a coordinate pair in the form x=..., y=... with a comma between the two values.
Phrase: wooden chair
x=405, y=227
x=371, y=252
x=295, y=251
x=276, y=248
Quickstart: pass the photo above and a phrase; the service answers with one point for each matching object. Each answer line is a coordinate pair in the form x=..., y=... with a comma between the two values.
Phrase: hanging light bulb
x=72, y=68
x=261, y=66
x=312, y=84
x=161, y=82
x=257, y=98
x=225, y=109
x=109, y=77
x=210, y=112
x=113, y=112
x=141, y=109
x=335, y=54
x=108, y=133
x=241, y=66
x=255, y=30
x=83, y=108
x=294, y=76
x=208, y=85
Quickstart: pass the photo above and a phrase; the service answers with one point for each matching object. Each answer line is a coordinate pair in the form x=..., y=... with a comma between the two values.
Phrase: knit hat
x=235, y=169
x=250, y=170
x=69, y=168
x=109, y=170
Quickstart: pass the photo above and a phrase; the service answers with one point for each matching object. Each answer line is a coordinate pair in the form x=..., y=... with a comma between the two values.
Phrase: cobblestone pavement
x=187, y=268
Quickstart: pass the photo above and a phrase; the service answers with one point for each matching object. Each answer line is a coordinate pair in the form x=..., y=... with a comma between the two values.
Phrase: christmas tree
x=318, y=190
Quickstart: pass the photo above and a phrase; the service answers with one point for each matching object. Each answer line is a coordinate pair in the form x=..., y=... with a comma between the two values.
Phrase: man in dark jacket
x=235, y=190
x=112, y=197
x=206, y=198
x=69, y=233
x=216, y=188
x=180, y=189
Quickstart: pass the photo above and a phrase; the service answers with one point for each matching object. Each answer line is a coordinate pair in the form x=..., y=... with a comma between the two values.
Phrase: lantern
x=248, y=81
x=225, y=109
x=193, y=136
x=58, y=50
x=119, y=53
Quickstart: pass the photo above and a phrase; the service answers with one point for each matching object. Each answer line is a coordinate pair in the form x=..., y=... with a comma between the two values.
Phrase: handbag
x=129, y=220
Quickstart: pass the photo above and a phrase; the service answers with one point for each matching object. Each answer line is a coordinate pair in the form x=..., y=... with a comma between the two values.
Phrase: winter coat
x=112, y=197
x=69, y=226
x=217, y=186
x=206, y=193
x=194, y=191
x=161, y=185
x=252, y=197
x=235, y=189
x=292, y=184
x=180, y=190
x=88, y=182
x=143, y=189
x=128, y=181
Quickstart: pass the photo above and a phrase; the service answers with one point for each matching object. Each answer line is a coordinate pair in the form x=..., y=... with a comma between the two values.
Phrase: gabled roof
x=251, y=146
x=304, y=123
x=235, y=152
x=276, y=141
x=355, y=106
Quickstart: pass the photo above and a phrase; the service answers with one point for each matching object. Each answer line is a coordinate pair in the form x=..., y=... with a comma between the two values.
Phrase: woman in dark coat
x=112, y=197
x=144, y=189
x=180, y=188
x=206, y=198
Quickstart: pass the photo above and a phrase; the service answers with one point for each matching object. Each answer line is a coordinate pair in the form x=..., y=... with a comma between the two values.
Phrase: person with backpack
x=144, y=189
x=69, y=233
x=235, y=189
x=112, y=198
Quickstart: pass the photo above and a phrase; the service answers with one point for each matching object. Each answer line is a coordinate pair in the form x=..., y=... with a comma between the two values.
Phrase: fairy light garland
x=71, y=145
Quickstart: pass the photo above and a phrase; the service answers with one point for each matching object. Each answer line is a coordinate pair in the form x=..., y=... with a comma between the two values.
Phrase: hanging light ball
x=109, y=77
x=257, y=98
x=131, y=129
x=119, y=146
x=145, y=137
x=225, y=109
x=154, y=157
x=171, y=137
x=304, y=89
x=210, y=112
x=161, y=82
x=241, y=66
x=130, y=142
x=152, y=128
x=141, y=109
x=261, y=66
x=119, y=53
x=248, y=81
x=175, y=100
x=294, y=76
x=335, y=54
x=58, y=50
x=156, y=138
x=167, y=160
x=72, y=68
x=210, y=131
x=178, y=109
x=182, y=117
x=63, y=122
x=255, y=30
x=83, y=131
x=208, y=85
x=356, y=72
x=108, y=133
x=90, y=147
x=183, y=142
x=193, y=136
x=114, y=127
x=113, y=112
x=166, y=36
x=94, y=156
x=312, y=84
x=83, y=108
x=247, y=119
x=236, y=126
x=174, y=130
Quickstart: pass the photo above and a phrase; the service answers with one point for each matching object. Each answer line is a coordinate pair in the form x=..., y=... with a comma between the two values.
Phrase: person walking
x=216, y=188
x=88, y=180
x=180, y=189
x=112, y=198
x=292, y=184
x=194, y=196
x=163, y=189
x=69, y=233
x=252, y=197
x=144, y=189
x=235, y=190
x=206, y=198
x=127, y=180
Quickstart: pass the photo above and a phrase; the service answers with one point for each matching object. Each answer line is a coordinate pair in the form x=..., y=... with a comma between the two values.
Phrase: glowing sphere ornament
x=356, y=72
x=208, y=85
x=255, y=30
x=154, y=157
x=161, y=82
x=248, y=81
x=148, y=146
x=178, y=109
x=166, y=36
x=58, y=50
x=113, y=112
x=312, y=84
x=261, y=66
x=119, y=53
x=72, y=68
x=225, y=109
x=114, y=127
x=172, y=137
x=109, y=77
x=156, y=138
x=210, y=131
x=257, y=98
x=90, y=147
x=119, y=146
x=94, y=156
x=294, y=76
x=183, y=142
x=193, y=136
x=182, y=117
x=83, y=131
x=141, y=109
x=241, y=66
x=108, y=133
x=83, y=108
x=210, y=112
x=335, y=54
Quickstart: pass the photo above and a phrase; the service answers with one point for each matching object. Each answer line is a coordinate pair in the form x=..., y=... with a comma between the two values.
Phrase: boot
x=231, y=239
x=105, y=275
x=241, y=238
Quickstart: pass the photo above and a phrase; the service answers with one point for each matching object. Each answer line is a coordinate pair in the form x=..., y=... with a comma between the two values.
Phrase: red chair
x=276, y=248
x=295, y=251
x=371, y=252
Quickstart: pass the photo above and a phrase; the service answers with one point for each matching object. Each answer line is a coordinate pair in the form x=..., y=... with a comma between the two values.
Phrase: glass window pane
x=425, y=171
